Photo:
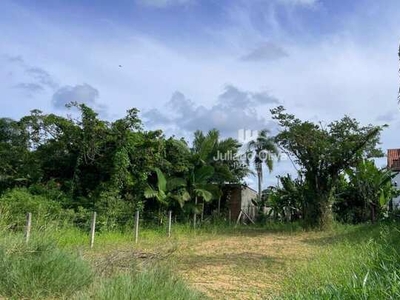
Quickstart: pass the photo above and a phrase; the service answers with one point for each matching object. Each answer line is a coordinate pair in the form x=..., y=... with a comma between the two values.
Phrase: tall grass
x=40, y=270
x=46, y=268
x=155, y=283
x=360, y=265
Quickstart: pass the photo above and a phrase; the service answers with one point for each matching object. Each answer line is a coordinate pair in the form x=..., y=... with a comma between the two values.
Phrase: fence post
x=136, y=226
x=229, y=217
x=28, y=227
x=93, y=229
x=169, y=223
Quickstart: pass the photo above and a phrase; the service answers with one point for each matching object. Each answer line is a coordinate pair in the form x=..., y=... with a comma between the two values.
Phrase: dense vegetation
x=83, y=163
x=64, y=167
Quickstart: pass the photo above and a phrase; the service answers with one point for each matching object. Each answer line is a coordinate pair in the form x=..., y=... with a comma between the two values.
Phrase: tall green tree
x=18, y=165
x=263, y=151
x=211, y=152
x=323, y=153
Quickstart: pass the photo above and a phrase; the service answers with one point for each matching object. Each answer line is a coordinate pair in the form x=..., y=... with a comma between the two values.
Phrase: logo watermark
x=244, y=156
x=245, y=136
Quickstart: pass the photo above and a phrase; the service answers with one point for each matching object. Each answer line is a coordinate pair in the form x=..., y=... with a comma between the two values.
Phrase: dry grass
x=241, y=267
x=249, y=264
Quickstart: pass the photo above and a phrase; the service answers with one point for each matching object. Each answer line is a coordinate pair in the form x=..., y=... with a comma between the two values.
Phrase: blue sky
x=193, y=64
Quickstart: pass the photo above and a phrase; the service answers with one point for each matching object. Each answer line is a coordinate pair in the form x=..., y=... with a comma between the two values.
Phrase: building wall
x=246, y=203
x=233, y=201
x=396, y=201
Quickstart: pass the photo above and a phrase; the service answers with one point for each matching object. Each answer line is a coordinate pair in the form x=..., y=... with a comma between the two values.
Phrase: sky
x=202, y=64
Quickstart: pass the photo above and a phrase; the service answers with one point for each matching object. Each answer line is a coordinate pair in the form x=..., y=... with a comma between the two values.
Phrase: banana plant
x=373, y=185
x=168, y=190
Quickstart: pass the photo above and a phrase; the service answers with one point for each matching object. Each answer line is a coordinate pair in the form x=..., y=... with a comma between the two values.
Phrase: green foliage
x=168, y=190
x=323, y=153
x=287, y=200
x=40, y=270
x=363, y=192
x=15, y=204
x=86, y=163
x=17, y=165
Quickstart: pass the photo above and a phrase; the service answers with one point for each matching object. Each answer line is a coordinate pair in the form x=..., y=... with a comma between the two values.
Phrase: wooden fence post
x=93, y=229
x=136, y=226
x=229, y=217
x=28, y=227
x=169, y=223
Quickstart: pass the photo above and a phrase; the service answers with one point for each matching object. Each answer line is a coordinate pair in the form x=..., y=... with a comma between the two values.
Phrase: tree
x=264, y=151
x=323, y=153
x=17, y=165
x=200, y=181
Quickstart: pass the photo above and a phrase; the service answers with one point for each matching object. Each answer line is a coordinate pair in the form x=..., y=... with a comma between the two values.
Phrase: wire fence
x=95, y=223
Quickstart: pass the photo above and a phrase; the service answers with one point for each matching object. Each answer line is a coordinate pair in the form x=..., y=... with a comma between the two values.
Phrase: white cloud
x=165, y=3
x=80, y=93
x=234, y=109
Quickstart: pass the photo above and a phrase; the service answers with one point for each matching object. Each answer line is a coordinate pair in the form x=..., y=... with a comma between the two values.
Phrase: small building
x=238, y=198
x=393, y=163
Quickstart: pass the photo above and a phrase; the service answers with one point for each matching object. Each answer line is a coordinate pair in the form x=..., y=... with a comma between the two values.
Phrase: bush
x=40, y=270
x=15, y=204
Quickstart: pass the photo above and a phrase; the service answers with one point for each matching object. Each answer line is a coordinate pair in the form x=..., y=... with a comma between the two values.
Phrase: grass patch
x=154, y=283
x=356, y=264
x=40, y=270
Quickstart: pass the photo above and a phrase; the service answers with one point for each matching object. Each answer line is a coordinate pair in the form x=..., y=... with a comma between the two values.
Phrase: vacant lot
x=217, y=262
x=236, y=264
x=241, y=267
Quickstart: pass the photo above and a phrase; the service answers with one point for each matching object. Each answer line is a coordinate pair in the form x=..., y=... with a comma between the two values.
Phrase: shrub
x=15, y=204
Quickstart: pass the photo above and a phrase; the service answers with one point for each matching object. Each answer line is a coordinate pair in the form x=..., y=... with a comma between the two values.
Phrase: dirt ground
x=241, y=267
x=237, y=265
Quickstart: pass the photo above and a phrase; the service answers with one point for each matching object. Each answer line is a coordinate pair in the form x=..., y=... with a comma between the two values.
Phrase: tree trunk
x=259, y=175
x=373, y=214
x=195, y=214
x=318, y=212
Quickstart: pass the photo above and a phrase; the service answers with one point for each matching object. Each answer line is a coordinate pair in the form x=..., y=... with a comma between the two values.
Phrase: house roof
x=393, y=159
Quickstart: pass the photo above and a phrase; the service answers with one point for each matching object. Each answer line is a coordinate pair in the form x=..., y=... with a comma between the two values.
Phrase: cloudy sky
x=200, y=64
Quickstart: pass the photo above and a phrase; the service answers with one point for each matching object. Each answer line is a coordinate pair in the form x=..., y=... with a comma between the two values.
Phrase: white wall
x=247, y=205
x=396, y=201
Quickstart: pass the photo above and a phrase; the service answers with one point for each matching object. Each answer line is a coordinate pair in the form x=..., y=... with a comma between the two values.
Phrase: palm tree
x=263, y=150
x=201, y=187
x=210, y=174
x=203, y=173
